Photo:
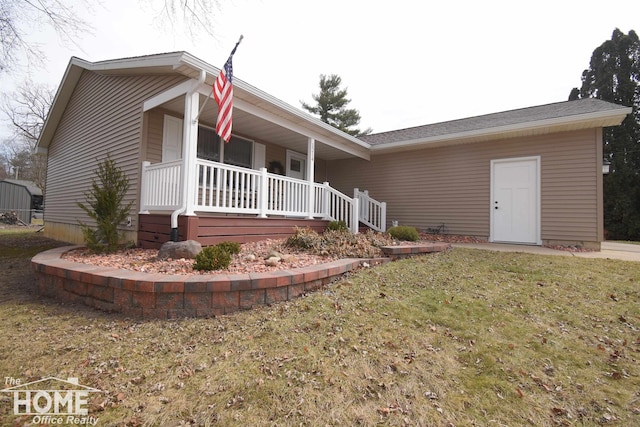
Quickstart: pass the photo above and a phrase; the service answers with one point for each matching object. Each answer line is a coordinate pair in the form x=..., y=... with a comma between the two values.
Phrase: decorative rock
x=272, y=261
x=175, y=250
x=287, y=258
x=250, y=257
x=273, y=254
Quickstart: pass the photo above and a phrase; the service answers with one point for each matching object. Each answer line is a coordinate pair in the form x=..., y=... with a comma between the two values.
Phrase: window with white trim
x=208, y=144
x=238, y=151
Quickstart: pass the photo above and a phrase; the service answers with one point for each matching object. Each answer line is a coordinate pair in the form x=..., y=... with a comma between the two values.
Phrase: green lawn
x=464, y=338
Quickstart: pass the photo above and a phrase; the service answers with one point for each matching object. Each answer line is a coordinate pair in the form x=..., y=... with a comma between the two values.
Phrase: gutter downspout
x=186, y=142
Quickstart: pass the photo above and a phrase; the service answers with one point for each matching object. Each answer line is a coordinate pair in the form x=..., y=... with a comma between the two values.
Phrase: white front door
x=296, y=165
x=515, y=200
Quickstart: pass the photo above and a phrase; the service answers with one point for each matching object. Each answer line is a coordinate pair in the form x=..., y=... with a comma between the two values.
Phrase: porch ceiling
x=256, y=128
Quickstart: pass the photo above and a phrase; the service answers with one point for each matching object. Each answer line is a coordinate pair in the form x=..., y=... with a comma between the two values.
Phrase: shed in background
x=21, y=197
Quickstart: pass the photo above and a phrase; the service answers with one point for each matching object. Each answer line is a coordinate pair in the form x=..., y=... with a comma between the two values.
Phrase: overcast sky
x=404, y=63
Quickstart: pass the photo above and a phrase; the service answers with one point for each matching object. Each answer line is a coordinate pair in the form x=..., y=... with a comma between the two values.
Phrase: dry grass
x=460, y=338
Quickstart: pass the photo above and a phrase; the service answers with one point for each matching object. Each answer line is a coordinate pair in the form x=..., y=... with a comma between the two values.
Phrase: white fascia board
x=63, y=94
x=280, y=121
x=241, y=85
x=299, y=114
x=72, y=75
x=150, y=61
x=616, y=116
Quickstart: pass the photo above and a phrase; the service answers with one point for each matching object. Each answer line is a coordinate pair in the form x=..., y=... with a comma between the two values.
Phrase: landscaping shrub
x=404, y=232
x=233, y=248
x=303, y=238
x=212, y=258
x=339, y=243
x=105, y=207
x=337, y=226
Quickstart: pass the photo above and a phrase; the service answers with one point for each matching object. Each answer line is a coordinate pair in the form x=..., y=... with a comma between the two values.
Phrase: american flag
x=223, y=93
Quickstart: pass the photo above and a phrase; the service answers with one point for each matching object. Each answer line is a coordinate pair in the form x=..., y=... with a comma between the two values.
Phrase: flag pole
x=211, y=94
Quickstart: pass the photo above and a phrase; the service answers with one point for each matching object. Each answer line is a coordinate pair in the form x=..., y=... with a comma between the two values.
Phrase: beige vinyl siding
x=154, y=121
x=104, y=115
x=451, y=185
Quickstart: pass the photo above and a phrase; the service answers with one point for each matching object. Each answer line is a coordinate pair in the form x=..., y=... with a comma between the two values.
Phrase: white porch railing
x=230, y=189
x=336, y=206
x=226, y=188
x=160, y=186
x=372, y=212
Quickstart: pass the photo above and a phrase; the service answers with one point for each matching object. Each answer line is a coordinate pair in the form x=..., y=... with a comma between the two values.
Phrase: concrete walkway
x=610, y=250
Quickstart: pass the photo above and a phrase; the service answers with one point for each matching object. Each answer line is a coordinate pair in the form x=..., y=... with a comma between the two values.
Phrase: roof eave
x=582, y=121
x=242, y=86
x=63, y=94
x=190, y=66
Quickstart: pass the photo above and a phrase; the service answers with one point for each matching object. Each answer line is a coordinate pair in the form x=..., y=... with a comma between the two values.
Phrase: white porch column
x=144, y=188
x=311, y=159
x=190, y=150
x=263, y=197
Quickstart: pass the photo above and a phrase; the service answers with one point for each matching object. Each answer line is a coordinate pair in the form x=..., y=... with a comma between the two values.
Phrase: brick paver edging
x=408, y=250
x=169, y=296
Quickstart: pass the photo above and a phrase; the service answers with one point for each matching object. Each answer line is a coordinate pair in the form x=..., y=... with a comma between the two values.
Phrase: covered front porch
x=271, y=176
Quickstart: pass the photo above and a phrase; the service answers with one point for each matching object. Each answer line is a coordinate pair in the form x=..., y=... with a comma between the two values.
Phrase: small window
x=208, y=144
x=239, y=152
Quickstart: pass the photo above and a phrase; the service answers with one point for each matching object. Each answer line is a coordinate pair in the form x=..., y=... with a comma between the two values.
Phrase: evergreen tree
x=614, y=76
x=331, y=106
x=105, y=207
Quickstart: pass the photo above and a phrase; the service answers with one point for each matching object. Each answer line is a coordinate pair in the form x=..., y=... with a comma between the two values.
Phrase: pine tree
x=105, y=207
x=331, y=106
x=614, y=76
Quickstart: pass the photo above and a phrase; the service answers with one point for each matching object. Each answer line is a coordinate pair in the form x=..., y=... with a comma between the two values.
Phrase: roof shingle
x=488, y=121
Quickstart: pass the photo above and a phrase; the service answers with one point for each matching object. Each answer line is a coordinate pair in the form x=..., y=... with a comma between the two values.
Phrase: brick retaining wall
x=170, y=296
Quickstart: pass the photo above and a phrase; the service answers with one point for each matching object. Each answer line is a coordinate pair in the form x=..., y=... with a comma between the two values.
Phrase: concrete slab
x=610, y=250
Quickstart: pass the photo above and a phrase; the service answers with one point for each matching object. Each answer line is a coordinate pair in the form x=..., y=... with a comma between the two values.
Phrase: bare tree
x=19, y=17
x=5, y=163
x=193, y=16
x=26, y=109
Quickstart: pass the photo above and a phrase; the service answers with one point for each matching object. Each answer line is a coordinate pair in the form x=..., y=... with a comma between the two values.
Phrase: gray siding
x=451, y=185
x=15, y=198
x=104, y=115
